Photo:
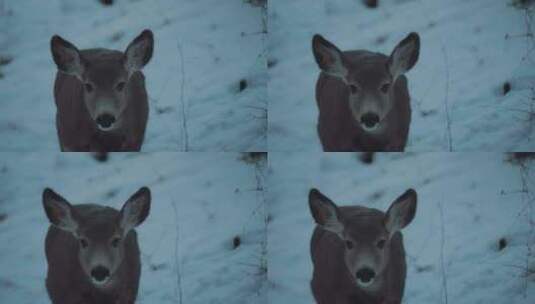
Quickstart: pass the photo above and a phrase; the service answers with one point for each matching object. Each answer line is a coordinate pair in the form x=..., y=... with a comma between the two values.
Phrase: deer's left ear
x=67, y=57
x=135, y=210
x=401, y=212
x=59, y=212
x=325, y=212
x=328, y=57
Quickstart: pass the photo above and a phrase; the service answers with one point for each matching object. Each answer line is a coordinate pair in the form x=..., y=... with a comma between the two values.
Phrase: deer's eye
x=84, y=243
x=349, y=245
x=354, y=89
x=88, y=87
x=120, y=86
x=381, y=244
x=385, y=87
x=115, y=242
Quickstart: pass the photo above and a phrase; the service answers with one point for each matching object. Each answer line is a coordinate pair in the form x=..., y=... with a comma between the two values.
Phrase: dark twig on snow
x=446, y=99
x=442, y=264
x=178, y=264
x=183, y=108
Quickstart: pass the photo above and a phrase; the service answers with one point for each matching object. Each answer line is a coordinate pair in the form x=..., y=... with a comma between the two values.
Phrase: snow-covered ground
x=473, y=238
x=482, y=196
x=469, y=50
x=216, y=196
x=203, y=49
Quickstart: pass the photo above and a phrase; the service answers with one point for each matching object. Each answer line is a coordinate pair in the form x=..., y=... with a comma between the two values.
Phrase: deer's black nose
x=100, y=273
x=365, y=275
x=369, y=119
x=105, y=120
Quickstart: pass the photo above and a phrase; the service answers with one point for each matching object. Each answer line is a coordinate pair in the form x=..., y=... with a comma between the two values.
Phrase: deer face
x=105, y=76
x=366, y=238
x=369, y=83
x=100, y=235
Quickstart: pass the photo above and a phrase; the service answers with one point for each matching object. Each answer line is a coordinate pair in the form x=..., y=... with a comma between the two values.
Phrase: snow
x=202, y=51
x=483, y=198
x=469, y=50
x=206, y=52
x=202, y=201
x=212, y=207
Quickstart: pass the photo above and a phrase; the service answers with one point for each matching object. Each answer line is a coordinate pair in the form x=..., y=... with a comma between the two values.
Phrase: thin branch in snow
x=529, y=199
x=442, y=264
x=446, y=98
x=178, y=265
x=259, y=174
x=184, y=118
x=259, y=161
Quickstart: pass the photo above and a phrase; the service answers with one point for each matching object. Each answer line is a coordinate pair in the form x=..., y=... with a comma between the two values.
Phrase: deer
x=92, y=250
x=100, y=95
x=362, y=96
x=357, y=252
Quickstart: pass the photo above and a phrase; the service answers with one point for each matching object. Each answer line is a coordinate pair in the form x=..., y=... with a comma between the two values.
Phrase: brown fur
x=338, y=130
x=67, y=283
x=331, y=282
x=76, y=129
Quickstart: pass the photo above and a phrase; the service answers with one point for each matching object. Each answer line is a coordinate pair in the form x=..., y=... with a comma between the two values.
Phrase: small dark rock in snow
x=260, y=3
x=506, y=88
x=3, y=217
x=100, y=156
x=164, y=110
x=502, y=243
x=367, y=157
x=426, y=113
x=5, y=60
x=106, y=2
x=111, y=193
x=381, y=39
x=424, y=268
x=117, y=36
x=271, y=63
x=236, y=242
x=376, y=195
x=156, y=267
x=371, y=3
x=253, y=157
x=243, y=85
x=523, y=4
x=524, y=155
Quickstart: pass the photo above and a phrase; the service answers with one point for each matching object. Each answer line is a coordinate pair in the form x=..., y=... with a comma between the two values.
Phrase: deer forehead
x=365, y=228
x=367, y=68
x=106, y=74
x=100, y=230
x=369, y=76
x=104, y=66
x=98, y=222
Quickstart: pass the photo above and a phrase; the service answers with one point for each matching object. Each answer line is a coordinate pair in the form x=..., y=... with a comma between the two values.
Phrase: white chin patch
x=100, y=283
x=364, y=284
x=370, y=129
x=105, y=129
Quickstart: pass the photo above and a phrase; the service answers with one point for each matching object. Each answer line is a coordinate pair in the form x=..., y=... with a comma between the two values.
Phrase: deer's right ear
x=401, y=212
x=328, y=57
x=404, y=56
x=135, y=210
x=325, y=212
x=66, y=56
x=139, y=52
x=59, y=212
